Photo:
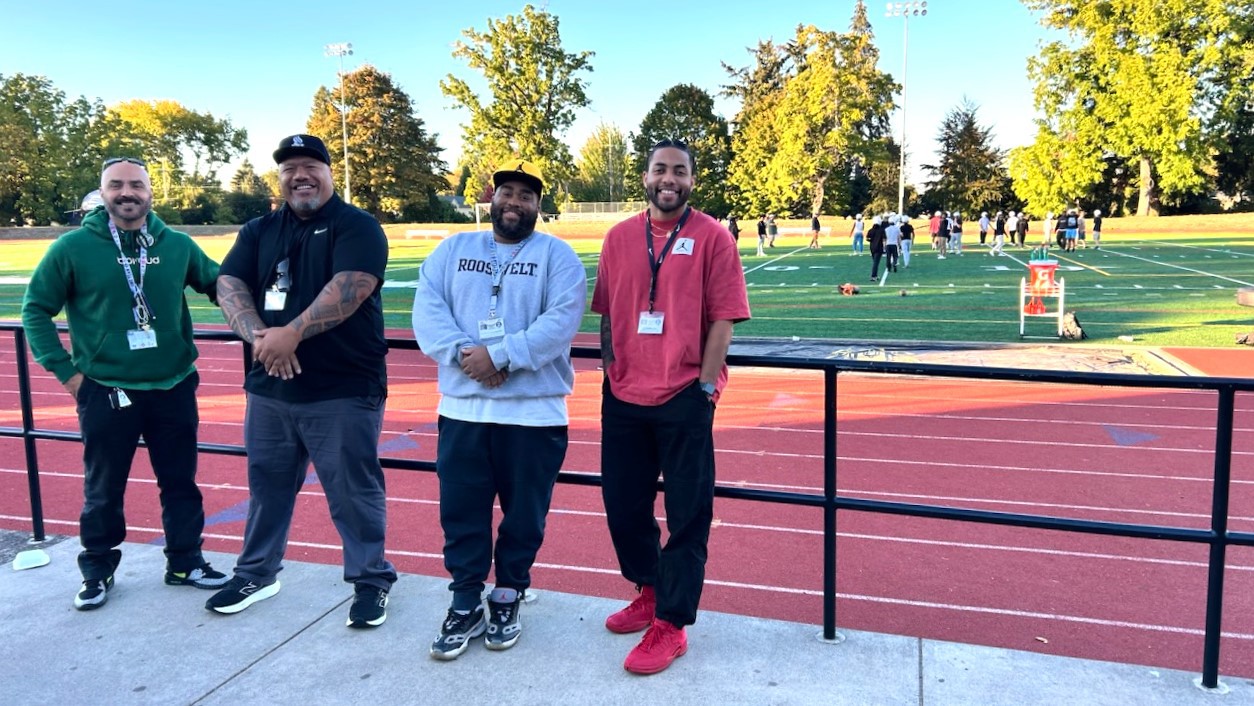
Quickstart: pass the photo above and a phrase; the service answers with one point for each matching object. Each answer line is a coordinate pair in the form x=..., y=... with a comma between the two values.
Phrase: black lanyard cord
x=655, y=263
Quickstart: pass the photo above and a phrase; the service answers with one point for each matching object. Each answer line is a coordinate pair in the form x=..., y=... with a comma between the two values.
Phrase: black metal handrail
x=1217, y=536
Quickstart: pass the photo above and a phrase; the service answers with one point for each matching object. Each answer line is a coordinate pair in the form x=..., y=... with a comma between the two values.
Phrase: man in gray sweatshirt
x=497, y=312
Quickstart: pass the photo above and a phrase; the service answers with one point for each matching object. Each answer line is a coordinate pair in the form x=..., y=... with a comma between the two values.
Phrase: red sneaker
x=634, y=617
x=660, y=646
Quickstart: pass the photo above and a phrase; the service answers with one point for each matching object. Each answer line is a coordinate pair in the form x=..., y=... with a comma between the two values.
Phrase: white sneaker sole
x=259, y=595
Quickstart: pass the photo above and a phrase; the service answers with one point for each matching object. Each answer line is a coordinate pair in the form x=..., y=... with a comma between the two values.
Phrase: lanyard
x=498, y=270
x=655, y=263
x=143, y=315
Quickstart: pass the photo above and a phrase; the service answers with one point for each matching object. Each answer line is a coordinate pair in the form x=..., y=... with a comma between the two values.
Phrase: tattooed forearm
x=607, y=344
x=239, y=308
x=335, y=303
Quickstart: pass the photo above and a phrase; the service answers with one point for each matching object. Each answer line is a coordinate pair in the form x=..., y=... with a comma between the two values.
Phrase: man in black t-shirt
x=301, y=285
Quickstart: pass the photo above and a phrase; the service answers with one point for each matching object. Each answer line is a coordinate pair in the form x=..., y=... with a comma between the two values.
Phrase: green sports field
x=1163, y=282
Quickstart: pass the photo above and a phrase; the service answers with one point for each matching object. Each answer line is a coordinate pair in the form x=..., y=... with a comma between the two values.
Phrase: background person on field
x=762, y=236
x=857, y=234
x=999, y=235
x=1071, y=229
x=1021, y=229
x=1012, y=228
x=1080, y=241
x=772, y=229
x=907, y=240
x=934, y=228
x=815, y=227
x=1097, y=229
x=734, y=228
x=942, y=235
x=120, y=278
x=1047, y=228
x=955, y=233
x=302, y=285
x=667, y=308
x=892, y=242
x=877, y=239
x=984, y=226
x=497, y=311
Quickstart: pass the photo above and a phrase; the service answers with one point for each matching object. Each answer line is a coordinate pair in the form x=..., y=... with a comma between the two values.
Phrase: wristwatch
x=708, y=388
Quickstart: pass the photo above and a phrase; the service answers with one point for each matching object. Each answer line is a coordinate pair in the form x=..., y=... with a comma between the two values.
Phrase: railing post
x=1219, y=540
x=28, y=438
x=829, y=503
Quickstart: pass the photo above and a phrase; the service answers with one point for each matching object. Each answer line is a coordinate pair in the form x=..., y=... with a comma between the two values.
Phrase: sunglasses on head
x=129, y=160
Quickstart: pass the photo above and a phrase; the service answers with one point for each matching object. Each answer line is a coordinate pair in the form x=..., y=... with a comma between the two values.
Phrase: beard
x=677, y=203
x=525, y=226
x=128, y=209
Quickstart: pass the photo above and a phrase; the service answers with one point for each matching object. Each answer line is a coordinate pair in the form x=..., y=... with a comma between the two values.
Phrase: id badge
x=491, y=328
x=118, y=398
x=141, y=338
x=651, y=323
x=275, y=300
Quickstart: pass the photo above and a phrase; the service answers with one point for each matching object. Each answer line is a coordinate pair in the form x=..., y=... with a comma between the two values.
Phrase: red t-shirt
x=692, y=291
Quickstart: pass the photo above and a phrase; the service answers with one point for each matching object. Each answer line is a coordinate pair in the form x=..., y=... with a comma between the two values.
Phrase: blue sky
x=259, y=63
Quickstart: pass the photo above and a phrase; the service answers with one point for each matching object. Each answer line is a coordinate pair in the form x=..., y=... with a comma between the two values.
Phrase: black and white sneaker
x=239, y=593
x=458, y=630
x=203, y=576
x=504, y=625
x=370, y=607
x=93, y=594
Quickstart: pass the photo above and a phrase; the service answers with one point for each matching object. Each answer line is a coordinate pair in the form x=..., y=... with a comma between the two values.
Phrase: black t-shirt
x=907, y=231
x=1097, y=223
x=814, y=223
x=348, y=360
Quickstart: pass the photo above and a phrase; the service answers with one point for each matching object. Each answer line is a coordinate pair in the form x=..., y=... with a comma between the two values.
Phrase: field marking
x=771, y=262
x=1198, y=247
x=1181, y=267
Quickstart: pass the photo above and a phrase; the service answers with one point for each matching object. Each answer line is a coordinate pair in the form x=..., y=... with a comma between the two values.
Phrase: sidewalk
x=156, y=644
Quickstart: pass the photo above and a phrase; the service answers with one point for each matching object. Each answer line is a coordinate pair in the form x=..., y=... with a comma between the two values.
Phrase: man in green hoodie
x=120, y=280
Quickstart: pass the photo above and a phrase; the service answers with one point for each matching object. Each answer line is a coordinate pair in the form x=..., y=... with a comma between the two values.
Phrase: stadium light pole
x=341, y=50
x=904, y=10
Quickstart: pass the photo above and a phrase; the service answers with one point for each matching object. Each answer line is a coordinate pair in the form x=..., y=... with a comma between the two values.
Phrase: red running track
x=1110, y=454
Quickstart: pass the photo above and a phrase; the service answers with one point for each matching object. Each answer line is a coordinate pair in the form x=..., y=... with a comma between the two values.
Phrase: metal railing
x=1217, y=537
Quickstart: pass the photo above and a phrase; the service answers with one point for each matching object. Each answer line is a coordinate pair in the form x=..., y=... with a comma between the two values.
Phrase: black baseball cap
x=302, y=146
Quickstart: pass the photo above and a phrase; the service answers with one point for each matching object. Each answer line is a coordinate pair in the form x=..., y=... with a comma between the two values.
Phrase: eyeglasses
x=129, y=160
x=282, y=282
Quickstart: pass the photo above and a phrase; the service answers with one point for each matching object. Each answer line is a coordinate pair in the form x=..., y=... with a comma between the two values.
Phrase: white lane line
x=1181, y=267
x=771, y=262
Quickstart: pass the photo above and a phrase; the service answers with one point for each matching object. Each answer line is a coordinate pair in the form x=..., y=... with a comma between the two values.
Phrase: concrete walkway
x=156, y=644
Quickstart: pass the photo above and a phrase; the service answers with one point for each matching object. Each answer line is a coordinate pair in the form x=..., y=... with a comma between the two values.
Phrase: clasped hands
x=275, y=349
x=477, y=364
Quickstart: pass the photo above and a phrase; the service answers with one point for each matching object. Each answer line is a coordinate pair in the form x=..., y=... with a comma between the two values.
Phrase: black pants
x=674, y=440
x=875, y=263
x=168, y=420
x=477, y=463
x=891, y=251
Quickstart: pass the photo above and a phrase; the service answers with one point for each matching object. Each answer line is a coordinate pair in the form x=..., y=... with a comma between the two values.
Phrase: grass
x=1164, y=282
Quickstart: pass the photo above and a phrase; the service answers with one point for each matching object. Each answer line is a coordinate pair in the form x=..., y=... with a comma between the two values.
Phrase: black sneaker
x=370, y=607
x=504, y=625
x=203, y=576
x=239, y=593
x=93, y=594
x=457, y=632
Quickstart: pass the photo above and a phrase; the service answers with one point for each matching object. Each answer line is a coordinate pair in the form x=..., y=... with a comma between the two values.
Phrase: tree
x=249, y=196
x=534, y=88
x=970, y=175
x=180, y=144
x=812, y=110
x=603, y=171
x=394, y=164
x=686, y=113
x=1139, y=79
x=51, y=149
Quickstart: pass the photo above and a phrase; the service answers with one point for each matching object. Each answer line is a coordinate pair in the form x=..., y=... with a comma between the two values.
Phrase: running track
x=1120, y=455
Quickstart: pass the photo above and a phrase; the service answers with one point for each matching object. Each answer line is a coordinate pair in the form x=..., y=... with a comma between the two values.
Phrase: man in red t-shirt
x=669, y=288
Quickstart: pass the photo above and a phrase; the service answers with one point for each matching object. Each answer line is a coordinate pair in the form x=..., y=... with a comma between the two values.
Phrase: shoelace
x=503, y=613
x=456, y=622
x=652, y=637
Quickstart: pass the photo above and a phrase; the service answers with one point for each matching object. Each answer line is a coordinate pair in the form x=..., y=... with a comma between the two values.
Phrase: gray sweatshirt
x=541, y=301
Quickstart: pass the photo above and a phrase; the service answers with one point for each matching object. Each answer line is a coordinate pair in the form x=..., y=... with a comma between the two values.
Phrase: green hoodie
x=81, y=273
